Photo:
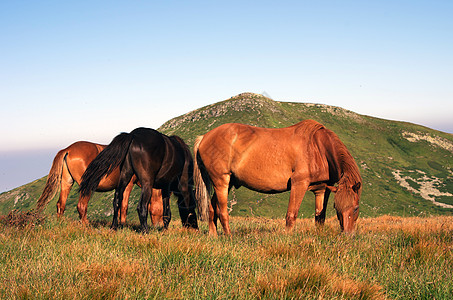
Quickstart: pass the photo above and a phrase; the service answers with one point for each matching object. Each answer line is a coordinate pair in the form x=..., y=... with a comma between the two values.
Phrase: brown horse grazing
x=68, y=166
x=305, y=156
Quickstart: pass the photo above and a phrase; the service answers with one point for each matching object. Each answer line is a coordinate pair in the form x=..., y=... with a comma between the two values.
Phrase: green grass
x=388, y=257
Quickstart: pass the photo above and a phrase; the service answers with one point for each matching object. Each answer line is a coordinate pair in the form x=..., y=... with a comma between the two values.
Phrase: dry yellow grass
x=387, y=258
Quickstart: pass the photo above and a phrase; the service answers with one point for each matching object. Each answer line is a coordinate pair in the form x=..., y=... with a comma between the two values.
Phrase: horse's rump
x=75, y=158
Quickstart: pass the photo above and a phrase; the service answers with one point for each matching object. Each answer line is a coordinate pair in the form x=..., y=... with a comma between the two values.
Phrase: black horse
x=158, y=161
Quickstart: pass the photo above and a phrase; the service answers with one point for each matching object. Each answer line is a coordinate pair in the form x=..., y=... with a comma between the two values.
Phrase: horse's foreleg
x=191, y=220
x=321, y=199
x=186, y=206
x=156, y=208
x=82, y=208
x=298, y=190
x=166, y=211
x=125, y=202
x=187, y=214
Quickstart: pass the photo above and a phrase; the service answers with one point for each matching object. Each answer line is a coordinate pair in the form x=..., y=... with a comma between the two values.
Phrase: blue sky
x=87, y=70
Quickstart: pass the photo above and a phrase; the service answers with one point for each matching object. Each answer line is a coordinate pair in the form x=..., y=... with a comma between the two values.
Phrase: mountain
x=407, y=169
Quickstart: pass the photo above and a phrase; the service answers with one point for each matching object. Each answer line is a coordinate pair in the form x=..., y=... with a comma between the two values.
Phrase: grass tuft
x=22, y=219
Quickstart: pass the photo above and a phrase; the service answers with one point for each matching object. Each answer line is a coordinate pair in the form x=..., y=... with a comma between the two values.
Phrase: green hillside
x=406, y=168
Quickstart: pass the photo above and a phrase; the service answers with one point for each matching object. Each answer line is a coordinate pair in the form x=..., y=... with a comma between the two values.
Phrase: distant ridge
x=407, y=169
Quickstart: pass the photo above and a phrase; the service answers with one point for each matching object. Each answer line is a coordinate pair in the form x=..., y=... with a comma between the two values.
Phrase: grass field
x=387, y=258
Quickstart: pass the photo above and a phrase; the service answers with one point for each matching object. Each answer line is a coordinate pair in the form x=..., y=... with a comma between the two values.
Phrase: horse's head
x=346, y=203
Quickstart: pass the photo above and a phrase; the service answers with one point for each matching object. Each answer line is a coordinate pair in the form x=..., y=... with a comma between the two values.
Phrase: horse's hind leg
x=117, y=199
x=117, y=202
x=221, y=193
x=213, y=215
x=142, y=208
x=66, y=185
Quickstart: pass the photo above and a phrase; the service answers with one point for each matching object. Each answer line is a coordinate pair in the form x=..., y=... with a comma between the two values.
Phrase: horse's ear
x=332, y=188
x=356, y=187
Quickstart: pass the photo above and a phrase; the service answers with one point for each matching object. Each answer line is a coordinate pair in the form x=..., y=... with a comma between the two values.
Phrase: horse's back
x=240, y=139
x=84, y=149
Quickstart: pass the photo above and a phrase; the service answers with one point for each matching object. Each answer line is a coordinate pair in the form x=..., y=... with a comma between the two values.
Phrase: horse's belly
x=266, y=182
x=108, y=183
x=267, y=186
x=263, y=171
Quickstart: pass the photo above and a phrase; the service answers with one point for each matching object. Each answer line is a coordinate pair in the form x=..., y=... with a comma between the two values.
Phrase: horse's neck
x=349, y=172
x=346, y=168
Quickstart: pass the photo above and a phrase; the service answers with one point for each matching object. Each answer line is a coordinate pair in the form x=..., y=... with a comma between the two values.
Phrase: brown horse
x=305, y=156
x=68, y=166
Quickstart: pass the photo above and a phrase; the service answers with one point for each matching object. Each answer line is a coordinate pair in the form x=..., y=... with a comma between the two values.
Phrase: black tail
x=187, y=171
x=109, y=159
